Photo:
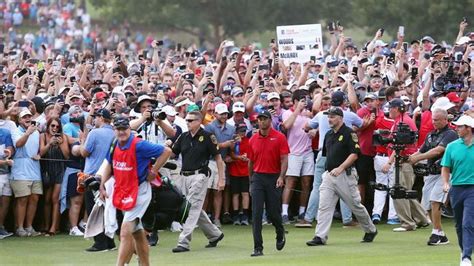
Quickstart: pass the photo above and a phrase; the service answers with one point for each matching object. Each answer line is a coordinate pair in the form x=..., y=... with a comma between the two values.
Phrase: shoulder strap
x=111, y=152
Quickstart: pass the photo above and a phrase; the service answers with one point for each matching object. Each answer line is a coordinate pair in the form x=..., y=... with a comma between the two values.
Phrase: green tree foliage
x=218, y=19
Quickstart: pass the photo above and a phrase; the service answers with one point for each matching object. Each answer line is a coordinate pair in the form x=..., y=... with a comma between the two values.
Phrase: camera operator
x=150, y=129
x=432, y=150
x=458, y=171
x=409, y=211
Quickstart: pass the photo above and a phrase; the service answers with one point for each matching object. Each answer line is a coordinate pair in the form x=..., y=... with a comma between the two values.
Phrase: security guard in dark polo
x=196, y=147
x=341, y=148
x=433, y=149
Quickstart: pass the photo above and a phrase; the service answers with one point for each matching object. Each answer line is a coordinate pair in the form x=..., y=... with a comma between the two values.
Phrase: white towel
x=110, y=212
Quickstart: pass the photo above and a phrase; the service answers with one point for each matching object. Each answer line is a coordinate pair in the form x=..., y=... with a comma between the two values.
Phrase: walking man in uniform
x=268, y=163
x=196, y=146
x=129, y=163
x=341, y=149
x=458, y=178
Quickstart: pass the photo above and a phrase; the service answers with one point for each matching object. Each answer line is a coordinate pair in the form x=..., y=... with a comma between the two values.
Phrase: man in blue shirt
x=25, y=179
x=225, y=134
x=457, y=162
x=95, y=150
x=129, y=163
x=6, y=151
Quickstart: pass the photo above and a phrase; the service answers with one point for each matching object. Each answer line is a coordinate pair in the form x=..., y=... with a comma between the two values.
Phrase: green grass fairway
x=343, y=248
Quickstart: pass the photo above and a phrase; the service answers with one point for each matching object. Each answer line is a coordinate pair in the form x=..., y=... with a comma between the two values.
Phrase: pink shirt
x=366, y=135
x=298, y=140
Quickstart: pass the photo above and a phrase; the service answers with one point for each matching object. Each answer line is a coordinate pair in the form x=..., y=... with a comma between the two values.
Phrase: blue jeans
x=462, y=201
x=313, y=202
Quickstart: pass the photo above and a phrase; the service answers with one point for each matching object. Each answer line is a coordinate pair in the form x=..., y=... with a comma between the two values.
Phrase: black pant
x=263, y=190
x=101, y=240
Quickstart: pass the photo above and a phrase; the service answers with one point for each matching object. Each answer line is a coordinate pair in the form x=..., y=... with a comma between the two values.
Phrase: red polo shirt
x=426, y=126
x=265, y=151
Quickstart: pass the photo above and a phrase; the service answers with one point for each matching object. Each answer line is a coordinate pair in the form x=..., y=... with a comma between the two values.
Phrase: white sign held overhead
x=298, y=43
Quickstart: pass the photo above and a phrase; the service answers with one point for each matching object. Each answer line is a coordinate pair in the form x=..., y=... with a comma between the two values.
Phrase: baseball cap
x=337, y=98
x=463, y=40
x=100, y=95
x=442, y=103
x=396, y=103
x=76, y=96
x=25, y=112
x=236, y=91
x=427, y=39
x=380, y=43
x=104, y=113
x=370, y=96
x=381, y=94
x=273, y=95
x=227, y=88
x=192, y=107
x=221, y=108
x=238, y=107
x=465, y=120
x=264, y=113
x=309, y=81
x=181, y=100
x=405, y=99
x=121, y=122
x=169, y=110
x=240, y=127
x=453, y=97
x=334, y=111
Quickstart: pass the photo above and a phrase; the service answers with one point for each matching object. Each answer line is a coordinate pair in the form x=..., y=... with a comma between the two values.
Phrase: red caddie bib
x=126, y=177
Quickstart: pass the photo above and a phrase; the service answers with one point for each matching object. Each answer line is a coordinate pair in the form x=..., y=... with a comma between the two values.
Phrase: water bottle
x=237, y=148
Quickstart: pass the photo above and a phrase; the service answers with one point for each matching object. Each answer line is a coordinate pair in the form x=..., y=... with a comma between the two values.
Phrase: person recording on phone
x=154, y=129
x=25, y=179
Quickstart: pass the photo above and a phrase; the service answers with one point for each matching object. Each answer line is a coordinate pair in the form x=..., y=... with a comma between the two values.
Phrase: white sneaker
x=176, y=227
x=31, y=232
x=466, y=262
x=75, y=232
x=82, y=225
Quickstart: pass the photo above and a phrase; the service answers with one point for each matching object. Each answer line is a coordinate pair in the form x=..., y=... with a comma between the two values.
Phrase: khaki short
x=214, y=178
x=23, y=188
x=5, y=189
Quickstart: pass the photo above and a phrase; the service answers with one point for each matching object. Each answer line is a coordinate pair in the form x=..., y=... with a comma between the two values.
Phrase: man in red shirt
x=268, y=155
x=410, y=212
x=365, y=162
x=386, y=178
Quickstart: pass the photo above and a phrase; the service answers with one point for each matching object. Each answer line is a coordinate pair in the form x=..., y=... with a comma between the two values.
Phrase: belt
x=194, y=172
x=382, y=154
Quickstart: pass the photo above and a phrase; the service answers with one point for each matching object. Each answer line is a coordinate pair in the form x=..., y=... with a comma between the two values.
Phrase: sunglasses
x=190, y=120
x=54, y=126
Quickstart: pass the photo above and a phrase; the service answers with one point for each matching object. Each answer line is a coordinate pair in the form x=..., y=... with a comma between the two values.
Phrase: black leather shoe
x=280, y=244
x=316, y=241
x=97, y=249
x=257, y=253
x=369, y=237
x=153, y=238
x=213, y=244
x=180, y=249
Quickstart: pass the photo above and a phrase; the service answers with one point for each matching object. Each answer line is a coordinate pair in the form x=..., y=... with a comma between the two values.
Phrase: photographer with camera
x=457, y=173
x=409, y=211
x=432, y=150
x=341, y=148
x=95, y=149
x=151, y=124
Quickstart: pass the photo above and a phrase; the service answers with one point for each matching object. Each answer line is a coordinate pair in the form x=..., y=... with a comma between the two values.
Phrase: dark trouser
x=101, y=241
x=263, y=190
x=462, y=201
